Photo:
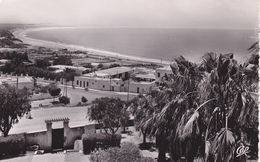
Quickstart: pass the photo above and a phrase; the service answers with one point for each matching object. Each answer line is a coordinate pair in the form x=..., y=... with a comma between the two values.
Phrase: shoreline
x=21, y=33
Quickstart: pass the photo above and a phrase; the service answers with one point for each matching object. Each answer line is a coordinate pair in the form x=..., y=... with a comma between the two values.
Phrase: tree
x=42, y=63
x=63, y=60
x=107, y=112
x=125, y=116
x=100, y=66
x=64, y=99
x=238, y=110
x=170, y=100
x=14, y=104
x=84, y=99
x=69, y=74
x=54, y=90
x=141, y=110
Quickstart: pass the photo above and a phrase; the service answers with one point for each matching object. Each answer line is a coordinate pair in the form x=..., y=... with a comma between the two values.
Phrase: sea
x=154, y=43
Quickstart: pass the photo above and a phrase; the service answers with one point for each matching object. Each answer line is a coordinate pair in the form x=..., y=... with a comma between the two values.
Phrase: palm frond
x=190, y=126
x=223, y=146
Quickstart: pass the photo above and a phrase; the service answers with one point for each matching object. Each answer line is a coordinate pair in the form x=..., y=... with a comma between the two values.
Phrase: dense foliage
x=92, y=141
x=128, y=152
x=17, y=65
x=54, y=90
x=204, y=110
x=14, y=104
x=62, y=60
x=84, y=99
x=108, y=112
x=64, y=99
x=12, y=145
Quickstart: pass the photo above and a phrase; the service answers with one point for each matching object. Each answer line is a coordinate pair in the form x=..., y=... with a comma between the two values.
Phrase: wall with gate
x=44, y=138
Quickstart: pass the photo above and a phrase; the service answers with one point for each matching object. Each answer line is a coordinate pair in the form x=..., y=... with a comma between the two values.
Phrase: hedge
x=12, y=145
x=92, y=141
x=128, y=152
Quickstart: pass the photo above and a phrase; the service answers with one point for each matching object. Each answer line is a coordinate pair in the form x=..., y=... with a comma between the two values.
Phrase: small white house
x=161, y=72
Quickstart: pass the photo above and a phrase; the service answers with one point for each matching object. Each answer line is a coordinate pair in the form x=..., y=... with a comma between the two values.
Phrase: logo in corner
x=242, y=150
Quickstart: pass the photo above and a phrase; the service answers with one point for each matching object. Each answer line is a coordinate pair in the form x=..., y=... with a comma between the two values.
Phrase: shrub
x=94, y=141
x=12, y=145
x=84, y=99
x=128, y=152
x=65, y=100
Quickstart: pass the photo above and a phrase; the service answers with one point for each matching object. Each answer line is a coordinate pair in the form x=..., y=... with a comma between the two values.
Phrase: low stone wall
x=39, y=138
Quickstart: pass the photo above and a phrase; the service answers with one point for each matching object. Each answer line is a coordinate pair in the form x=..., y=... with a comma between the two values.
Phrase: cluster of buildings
x=120, y=79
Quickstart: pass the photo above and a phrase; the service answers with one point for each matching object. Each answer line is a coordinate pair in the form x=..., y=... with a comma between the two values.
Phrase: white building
x=161, y=72
x=61, y=68
x=4, y=61
x=112, y=79
x=141, y=83
x=20, y=81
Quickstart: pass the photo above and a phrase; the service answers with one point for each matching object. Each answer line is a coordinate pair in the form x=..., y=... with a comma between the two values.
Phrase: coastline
x=21, y=33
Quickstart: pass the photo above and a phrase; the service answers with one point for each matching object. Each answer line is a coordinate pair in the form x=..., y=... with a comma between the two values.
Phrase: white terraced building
x=113, y=79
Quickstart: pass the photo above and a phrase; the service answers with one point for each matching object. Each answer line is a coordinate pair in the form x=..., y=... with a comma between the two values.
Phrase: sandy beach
x=21, y=33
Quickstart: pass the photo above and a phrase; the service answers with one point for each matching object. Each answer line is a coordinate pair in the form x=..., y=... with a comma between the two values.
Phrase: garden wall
x=43, y=139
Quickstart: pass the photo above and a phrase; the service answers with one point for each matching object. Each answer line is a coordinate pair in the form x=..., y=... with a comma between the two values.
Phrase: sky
x=134, y=13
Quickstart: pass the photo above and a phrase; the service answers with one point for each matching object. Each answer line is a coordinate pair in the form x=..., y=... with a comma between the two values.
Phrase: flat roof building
x=116, y=72
x=20, y=81
x=109, y=79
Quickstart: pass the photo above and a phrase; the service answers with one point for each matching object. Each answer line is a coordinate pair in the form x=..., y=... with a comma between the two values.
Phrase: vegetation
x=92, y=141
x=84, y=100
x=107, y=112
x=42, y=63
x=64, y=99
x=54, y=90
x=17, y=65
x=62, y=60
x=202, y=110
x=100, y=66
x=114, y=65
x=14, y=104
x=8, y=40
x=12, y=145
x=128, y=152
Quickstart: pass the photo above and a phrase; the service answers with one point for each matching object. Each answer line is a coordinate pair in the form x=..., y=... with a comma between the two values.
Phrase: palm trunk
x=161, y=144
x=144, y=137
x=161, y=155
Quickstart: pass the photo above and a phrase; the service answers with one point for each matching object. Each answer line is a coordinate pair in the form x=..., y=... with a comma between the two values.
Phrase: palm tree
x=141, y=109
x=170, y=100
x=226, y=83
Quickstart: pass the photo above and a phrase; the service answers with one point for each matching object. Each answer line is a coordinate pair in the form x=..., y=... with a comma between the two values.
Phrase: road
x=76, y=114
x=76, y=94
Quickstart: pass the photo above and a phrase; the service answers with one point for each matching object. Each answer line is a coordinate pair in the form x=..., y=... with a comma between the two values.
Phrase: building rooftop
x=145, y=76
x=167, y=68
x=13, y=79
x=67, y=66
x=111, y=71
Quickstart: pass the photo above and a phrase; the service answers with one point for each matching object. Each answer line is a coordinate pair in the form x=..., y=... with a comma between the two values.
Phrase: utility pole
x=128, y=89
x=17, y=82
x=110, y=82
